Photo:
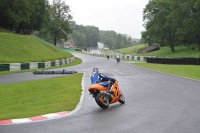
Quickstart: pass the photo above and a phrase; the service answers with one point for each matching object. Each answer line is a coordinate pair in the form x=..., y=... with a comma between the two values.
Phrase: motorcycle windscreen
x=94, y=78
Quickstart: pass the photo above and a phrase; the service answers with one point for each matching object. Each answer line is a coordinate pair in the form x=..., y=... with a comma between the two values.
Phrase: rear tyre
x=121, y=98
x=102, y=100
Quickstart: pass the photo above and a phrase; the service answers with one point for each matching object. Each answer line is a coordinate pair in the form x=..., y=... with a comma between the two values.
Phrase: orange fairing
x=116, y=91
x=97, y=87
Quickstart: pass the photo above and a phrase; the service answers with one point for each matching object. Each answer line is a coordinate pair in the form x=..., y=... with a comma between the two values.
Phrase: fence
x=34, y=65
x=151, y=59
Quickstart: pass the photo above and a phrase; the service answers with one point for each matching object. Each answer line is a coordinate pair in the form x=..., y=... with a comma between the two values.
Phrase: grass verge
x=38, y=97
x=189, y=71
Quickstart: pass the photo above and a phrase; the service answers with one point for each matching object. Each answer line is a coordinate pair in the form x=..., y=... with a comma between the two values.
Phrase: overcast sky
x=121, y=16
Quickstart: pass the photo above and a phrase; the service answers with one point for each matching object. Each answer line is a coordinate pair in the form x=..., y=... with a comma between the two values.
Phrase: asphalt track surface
x=155, y=103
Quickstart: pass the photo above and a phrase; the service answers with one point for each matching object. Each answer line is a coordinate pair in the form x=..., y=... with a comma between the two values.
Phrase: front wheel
x=102, y=100
x=121, y=98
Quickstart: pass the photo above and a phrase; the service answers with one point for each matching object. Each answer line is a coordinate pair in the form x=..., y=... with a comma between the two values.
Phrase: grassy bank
x=181, y=51
x=16, y=48
x=38, y=97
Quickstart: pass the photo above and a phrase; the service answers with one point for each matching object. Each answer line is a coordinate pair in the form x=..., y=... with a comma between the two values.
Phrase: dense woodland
x=172, y=22
x=117, y=40
x=166, y=22
x=24, y=16
x=88, y=36
x=84, y=36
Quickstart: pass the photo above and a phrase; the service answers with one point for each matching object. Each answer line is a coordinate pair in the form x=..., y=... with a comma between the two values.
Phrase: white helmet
x=95, y=70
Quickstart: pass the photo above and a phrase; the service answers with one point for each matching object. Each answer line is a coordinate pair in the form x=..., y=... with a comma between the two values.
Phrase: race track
x=155, y=102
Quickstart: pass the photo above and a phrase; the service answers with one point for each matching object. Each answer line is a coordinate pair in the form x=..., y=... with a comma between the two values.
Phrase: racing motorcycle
x=118, y=60
x=102, y=97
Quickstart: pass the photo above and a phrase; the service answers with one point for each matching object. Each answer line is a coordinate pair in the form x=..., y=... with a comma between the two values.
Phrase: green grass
x=16, y=48
x=38, y=97
x=165, y=51
x=189, y=71
x=180, y=52
x=129, y=50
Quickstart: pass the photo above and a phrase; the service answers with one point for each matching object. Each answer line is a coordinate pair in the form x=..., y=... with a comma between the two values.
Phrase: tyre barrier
x=54, y=72
x=185, y=61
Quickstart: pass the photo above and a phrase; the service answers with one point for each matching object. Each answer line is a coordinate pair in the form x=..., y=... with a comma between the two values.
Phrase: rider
x=104, y=80
x=117, y=57
x=108, y=57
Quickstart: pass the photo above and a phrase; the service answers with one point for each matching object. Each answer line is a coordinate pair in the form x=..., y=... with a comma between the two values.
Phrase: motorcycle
x=108, y=57
x=102, y=97
x=118, y=60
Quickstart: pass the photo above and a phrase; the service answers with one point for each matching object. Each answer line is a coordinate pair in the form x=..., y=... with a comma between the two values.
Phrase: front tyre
x=121, y=98
x=102, y=100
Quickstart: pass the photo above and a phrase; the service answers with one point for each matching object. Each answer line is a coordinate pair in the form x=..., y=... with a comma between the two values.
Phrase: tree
x=40, y=14
x=115, y=40
x=23, y=15
x=12, y=13
x=58, y=26
x=85, y=36
x=158, y=23
x=172, y=22
x=189, y=31
x=79, y=39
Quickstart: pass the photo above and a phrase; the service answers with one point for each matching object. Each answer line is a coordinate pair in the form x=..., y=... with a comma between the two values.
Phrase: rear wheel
x=121, y=98
x=102, y=100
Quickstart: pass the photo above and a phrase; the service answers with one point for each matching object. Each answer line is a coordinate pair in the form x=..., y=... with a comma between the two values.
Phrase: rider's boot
x=109, y=87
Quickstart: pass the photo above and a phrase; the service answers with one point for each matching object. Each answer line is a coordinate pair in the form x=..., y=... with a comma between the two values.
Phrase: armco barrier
x=4, y=67
x=185, y=61
x=129, y=57
x=47, y=64
x=15, y=66
x=25, y=66
x=34, y=65
x=41, y=65
x=192, y=61
x=60, y=62
x=53, y=63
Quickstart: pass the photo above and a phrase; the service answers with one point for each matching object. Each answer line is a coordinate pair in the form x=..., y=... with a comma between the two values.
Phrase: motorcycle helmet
x=95, y=70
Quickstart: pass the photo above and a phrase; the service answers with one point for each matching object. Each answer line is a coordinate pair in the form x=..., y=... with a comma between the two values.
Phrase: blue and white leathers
x=100, y=78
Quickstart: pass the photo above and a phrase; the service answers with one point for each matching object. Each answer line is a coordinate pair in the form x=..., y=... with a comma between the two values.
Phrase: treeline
x=172, y=22
x=84, y=36
x=89, y=36
x=27, y=16
x=23, y=16
x=115, y=40
x=53, y=22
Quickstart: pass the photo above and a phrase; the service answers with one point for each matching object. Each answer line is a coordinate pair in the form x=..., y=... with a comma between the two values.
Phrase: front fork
x=94, y=93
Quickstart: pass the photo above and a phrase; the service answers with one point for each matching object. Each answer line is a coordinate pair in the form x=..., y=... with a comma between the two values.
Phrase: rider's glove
x=113, y=80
